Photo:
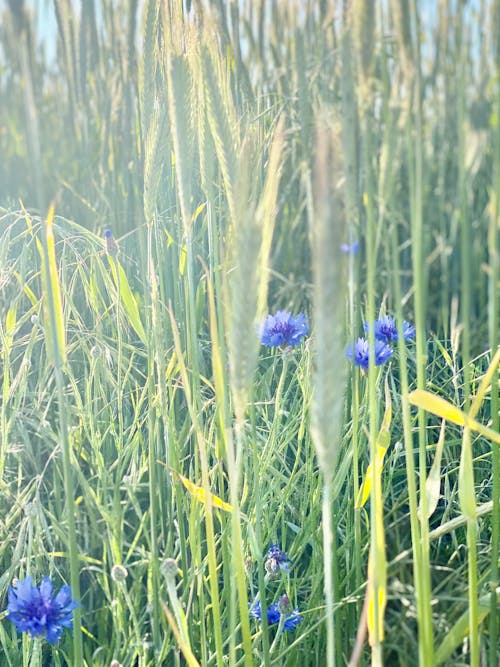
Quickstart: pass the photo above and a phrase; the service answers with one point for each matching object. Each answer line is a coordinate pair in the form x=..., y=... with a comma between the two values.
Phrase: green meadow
x=173, y=173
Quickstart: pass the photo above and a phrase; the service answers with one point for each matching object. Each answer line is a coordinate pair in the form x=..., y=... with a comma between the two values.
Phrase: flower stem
x=36, y=656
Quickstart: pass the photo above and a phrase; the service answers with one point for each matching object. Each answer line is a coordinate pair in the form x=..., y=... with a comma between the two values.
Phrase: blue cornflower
x=36, y=610
x=359, y=352
x=386, y=329
x=276, y=560
x=111, y=244
x=291, y=619
x=350, y=248
x=283, y=329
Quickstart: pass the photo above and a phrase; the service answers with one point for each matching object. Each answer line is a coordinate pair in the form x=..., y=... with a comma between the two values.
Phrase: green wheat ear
x=363, y=26
x=147, y=70
x=327, y=224
x=402, y=25
x=222, y=122
x=251, y=240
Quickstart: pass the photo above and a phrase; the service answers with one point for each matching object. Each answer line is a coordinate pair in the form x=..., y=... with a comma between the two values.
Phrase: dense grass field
x=218, y=484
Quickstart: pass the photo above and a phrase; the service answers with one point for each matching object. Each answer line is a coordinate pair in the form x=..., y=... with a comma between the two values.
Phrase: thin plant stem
x=154, y=584
x=36, y=656
x=376, y=540
x=472, y=575
x=493, y=329
x=466, y=264
x=355, y=473
x=119, y=372
x=411, y=479
x=277, y=419
x=415, y=146
x=234, y=450
x=328, y=546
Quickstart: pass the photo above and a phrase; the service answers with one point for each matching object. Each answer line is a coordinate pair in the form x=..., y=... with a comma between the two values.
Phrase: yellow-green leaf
x=10, y=321
x=366, y=485
x=440, y=407
x=383, y=442
x=365, y=488
x=198, y=492
x=51, y=292
x=171, y=366
x=376, y=605
x=183, y=644
x=7, y=338
x=485, y=383
x=182, y=260
x=27, y=290
x=386, y=421
x=466, y=495
x=198, y=211
x=433, y=481
x=437, y=406
x=127, y=298
x=217, y=361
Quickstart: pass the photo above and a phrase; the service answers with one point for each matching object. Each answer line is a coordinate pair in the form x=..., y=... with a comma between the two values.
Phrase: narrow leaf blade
x=198, y=492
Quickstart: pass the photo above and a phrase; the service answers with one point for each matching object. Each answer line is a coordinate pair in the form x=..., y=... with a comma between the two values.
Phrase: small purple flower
x=386, y=329
x=283, y=329
x=350, y=248
x=276, y=611
x=359, y=352
x=36, y=610
x=276, y=560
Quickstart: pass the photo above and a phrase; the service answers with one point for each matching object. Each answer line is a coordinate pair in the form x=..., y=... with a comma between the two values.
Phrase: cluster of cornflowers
x=386, y=333
x=281, y=612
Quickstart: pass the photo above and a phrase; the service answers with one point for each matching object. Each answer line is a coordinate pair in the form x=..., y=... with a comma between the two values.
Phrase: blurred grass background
x=231, y=147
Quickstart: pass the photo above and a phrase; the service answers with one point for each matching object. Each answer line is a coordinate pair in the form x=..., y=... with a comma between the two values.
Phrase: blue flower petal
x=292, y=620
x=273, y=614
